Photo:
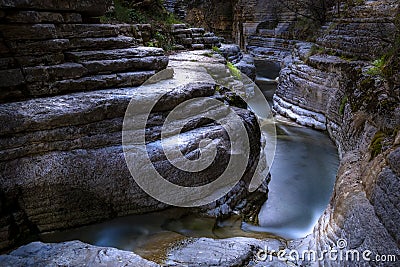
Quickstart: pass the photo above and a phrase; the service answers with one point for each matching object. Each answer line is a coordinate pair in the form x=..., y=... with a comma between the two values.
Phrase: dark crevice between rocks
x=15, y=222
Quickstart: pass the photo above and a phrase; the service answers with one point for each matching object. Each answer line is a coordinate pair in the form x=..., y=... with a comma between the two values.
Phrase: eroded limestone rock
x=74, y=253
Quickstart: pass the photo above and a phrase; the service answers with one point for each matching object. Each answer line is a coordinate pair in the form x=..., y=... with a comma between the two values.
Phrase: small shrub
x=122, y=13
x=377, y=68
x=235, y=72
x=163, y=41
x=216, y=49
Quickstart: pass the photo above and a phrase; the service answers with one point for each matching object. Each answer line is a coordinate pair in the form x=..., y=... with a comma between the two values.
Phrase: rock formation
x=329, y=84
x=244, y=62
x=66, y=81
x=195, y=38
x=362, y=114
x=73, y=253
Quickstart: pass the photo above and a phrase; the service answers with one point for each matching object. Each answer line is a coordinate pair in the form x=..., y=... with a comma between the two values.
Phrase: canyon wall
x=330, y=85
x=233, y=20
x=258, y=26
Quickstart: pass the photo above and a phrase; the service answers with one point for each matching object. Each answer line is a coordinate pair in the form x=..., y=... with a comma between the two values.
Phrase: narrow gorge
x=87, y=88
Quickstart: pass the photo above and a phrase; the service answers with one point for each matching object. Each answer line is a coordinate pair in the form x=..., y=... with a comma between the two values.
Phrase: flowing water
x=303, y=172
x=303, y=175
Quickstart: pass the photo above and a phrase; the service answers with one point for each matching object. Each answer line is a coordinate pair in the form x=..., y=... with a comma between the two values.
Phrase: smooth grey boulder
x=73, y=253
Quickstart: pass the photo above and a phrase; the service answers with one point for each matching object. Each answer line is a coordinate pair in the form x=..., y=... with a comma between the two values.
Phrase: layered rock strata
x=66, y=84
x=193, y=38
x=362, y=31
x=362, y=114
x=49, y=52
x=52, y=53
x=244, y=62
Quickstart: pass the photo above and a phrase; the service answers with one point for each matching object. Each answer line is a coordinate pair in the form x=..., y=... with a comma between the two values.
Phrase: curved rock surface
x=349, y=102
x=74, y=253
x=361, y=113
x=244, y=62
x=62, y=159
x=65, y=86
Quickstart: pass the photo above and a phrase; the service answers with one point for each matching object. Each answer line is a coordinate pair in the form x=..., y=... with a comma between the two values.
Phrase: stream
x=303, y=176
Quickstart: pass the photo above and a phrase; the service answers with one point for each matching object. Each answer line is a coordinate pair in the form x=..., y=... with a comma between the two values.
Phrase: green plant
x=316, y=50
x=235, y=72
x=136, y=17
x=376, y=144
x=150, y=44
x=123, y=13
x=377, y=68
x=216, y=49
x=343, y=105
x=163, y=41
x=152, y=12
x=171, y=19
x=347, y=58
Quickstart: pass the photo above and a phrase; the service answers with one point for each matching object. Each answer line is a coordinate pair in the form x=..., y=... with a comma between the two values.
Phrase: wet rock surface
x=80, y=136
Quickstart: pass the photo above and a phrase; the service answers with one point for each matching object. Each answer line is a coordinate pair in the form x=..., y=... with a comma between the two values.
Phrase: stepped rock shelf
x=327, y=85
x=65, y=85
x=332, y=89
x=68, y=124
